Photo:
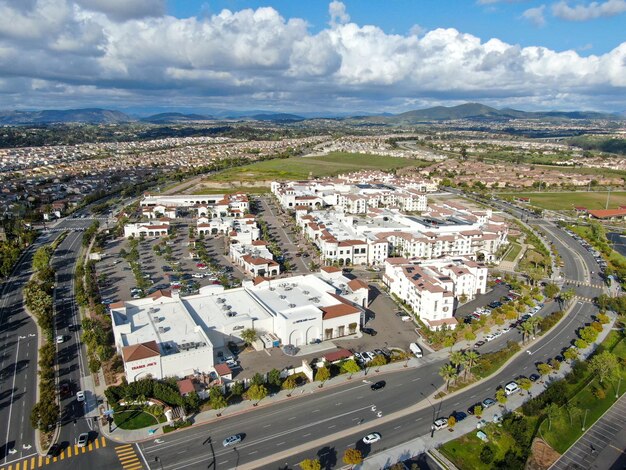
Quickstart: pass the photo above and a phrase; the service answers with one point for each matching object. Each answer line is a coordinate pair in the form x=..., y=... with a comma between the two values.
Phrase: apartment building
x=431, y=288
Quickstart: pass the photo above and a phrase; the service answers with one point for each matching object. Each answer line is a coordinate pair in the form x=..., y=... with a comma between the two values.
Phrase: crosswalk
x=128, y=458
x=31, y=463
x=570, y=283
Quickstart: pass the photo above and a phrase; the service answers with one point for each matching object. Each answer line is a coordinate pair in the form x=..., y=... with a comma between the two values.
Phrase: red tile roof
x=136, y=352
x=222, y=369
x=338, y=355
x=185, y=386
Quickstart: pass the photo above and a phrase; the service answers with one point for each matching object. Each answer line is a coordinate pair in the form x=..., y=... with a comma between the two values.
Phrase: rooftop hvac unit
x=272, y=289
x=292, y=305
x=283, y=297
x=161, y=329
x=220, y=300
x=288, y=288
x=293, y=284
x=156, y=319
x=305, y=292
x=224, y=307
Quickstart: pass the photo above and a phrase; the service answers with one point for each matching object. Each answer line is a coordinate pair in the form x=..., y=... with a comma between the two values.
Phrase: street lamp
x=618, y=385
x=585, y=419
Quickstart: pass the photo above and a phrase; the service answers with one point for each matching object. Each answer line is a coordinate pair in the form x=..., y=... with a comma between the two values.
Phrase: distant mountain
x=166, y=118
x=477, y=111
x=50, y=116
x=278, y=117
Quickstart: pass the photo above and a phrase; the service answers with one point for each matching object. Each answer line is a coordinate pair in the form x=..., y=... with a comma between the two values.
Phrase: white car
x=60, y=339
x=80, y=396
x=489, y=338
x=232, y=440
x=440, y=423
x=198, y=275
x=371, y=438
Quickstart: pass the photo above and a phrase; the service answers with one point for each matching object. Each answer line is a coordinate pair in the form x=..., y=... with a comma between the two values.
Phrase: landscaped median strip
x=390, y=417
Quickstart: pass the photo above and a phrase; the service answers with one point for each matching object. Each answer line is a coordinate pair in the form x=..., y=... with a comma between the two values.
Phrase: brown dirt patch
x=542, y=456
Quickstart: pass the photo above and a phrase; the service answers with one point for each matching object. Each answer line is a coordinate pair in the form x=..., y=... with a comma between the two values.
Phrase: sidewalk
x=425, y=443
x=370, y=374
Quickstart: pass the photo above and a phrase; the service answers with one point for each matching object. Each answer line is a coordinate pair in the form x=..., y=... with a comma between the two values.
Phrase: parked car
x=487, y=402
x=479, y=344
x=471, y=409
x=511, y=388
x=459, y=415
x=372, y=438
x=378, y=385
x=534, y=377
x=369, y=331
x=80, y=396
x=440, y=423
x=232, y=440
x=60, y=339
x=65, y=389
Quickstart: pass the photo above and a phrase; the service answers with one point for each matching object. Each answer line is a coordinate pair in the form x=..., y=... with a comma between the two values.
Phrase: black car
x=470, y=410
x=479, y=344
x=495, y=304
x=53, y=451
x=369, y=331
x=72, y=327
x=378, y=385
x=534, y=377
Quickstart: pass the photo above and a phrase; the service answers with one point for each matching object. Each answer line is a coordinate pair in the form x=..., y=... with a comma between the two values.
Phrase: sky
x=312, y=56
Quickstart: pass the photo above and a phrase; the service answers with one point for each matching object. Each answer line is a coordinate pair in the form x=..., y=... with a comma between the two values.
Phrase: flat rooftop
x=295, y=297
x=167, y=323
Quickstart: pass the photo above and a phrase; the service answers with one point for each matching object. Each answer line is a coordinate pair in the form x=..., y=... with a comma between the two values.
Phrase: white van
x=511, y=388
x=415, y=349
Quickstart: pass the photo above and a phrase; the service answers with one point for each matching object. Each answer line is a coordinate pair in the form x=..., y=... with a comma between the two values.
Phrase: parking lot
x=117, y=278
x=391, y=332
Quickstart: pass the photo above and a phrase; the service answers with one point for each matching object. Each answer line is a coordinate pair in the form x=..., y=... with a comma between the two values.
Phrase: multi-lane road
x=337, y=419
x=19, y=343
x=269, y=431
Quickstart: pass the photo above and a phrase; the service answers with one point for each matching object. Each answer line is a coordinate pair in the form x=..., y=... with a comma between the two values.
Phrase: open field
x=567, y=200
x=295, y=168
x=513, y=252
x=567, y=427
x=201, y=189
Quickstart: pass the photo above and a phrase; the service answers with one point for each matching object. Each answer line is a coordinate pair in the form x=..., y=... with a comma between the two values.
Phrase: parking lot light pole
x=585, y=419
x=618, y=386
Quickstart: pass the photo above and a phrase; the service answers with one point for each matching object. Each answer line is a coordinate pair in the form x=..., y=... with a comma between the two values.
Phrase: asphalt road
x=18, y=363
x=348, y=408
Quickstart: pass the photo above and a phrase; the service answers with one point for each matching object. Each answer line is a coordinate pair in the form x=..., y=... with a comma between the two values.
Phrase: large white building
x=431, y=287
x=351, y=198
x=208, y=205
x=440, y=231
x=158, y=228
x=167, y=335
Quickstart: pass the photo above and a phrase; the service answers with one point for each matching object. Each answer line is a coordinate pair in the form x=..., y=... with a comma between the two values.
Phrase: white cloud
x=417, y=30
x=584, y=12
x=535, y=15
x=338, y=13
x=125, y=9
x=252, y=58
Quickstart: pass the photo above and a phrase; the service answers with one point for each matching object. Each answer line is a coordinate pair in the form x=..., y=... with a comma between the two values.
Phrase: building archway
x=295, y=338
x=312, y=333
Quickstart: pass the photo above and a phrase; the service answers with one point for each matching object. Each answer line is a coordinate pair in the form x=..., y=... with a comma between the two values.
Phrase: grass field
x=244, y=188
x=133, y=419
x=566, y=429
x=464, y=452
x=300, y=167
x=513, y=252
x=567, y=200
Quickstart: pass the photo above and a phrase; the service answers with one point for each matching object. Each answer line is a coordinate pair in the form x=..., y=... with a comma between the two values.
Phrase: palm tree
x=471, y=357
x=457, y=358
x=534, y=323
x=448, y=373
x=526, y=328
